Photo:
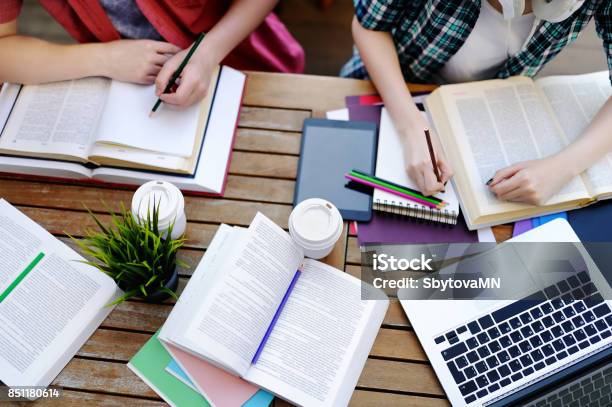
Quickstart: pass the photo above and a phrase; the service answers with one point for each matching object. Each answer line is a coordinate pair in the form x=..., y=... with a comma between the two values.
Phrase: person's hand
x=137, y=61
x=532, y=182
x=193, y=82
x=418, y=160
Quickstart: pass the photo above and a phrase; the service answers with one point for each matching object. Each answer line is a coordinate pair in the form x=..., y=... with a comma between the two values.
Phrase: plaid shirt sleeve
x=603, y=22
x=379, y=15
x=9, y=10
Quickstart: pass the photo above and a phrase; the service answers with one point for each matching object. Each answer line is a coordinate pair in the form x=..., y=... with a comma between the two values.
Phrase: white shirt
x=492, y=41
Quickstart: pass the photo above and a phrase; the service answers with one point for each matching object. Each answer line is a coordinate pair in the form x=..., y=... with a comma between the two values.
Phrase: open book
x=486, y=126
x=50, y=303
x=293, y=326
x=100, y=129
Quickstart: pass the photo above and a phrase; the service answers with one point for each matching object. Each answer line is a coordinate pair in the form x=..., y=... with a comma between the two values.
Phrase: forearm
x=380, y=58
x=240, y=20
x=594, y=143
x=31, y=61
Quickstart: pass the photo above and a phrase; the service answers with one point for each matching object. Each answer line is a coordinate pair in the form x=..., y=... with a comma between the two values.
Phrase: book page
x=232, y=319
x=498, y=123
x=575, y=101
x=320, y=343
x=56, y=119
x=49, y=302
x=171, y=130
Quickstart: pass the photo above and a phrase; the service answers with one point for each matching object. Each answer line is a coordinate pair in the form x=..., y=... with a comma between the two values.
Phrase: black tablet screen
x=329, y=150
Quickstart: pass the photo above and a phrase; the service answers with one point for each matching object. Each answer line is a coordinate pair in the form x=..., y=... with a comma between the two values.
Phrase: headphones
x=549, y=10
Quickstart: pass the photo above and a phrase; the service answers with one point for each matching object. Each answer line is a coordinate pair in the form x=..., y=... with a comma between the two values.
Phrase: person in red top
x=144, y=42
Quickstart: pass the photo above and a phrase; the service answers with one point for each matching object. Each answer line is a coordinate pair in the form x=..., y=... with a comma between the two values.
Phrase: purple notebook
x=365, y=113
x=392, y=229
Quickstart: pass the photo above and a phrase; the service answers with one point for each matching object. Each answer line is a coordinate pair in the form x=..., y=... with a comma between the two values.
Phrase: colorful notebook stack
x=189, y=381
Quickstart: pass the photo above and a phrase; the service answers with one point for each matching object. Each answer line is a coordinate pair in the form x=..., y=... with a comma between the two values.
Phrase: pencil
x=405, y=192
x=178, y=72
x=401, y=188
x=432, y=155
x=392, y=191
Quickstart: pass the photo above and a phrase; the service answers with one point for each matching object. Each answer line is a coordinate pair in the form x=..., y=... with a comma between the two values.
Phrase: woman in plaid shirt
x=431, y=40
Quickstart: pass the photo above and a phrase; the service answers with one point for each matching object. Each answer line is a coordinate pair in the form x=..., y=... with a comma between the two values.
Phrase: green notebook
x=150, y=365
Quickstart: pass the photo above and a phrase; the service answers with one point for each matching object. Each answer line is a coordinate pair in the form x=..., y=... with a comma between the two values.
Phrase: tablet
x=330, y=149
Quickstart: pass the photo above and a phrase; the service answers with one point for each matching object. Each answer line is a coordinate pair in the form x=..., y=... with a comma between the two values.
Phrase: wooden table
x=262, y=178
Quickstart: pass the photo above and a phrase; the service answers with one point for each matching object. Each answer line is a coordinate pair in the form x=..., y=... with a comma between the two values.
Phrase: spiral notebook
x=390, y=166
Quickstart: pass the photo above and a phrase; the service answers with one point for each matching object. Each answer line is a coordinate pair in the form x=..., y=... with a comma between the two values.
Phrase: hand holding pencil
x=184, y=78
x=420, y=159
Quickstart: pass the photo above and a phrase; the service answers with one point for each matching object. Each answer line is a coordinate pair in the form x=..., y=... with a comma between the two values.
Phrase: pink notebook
x=220, y=388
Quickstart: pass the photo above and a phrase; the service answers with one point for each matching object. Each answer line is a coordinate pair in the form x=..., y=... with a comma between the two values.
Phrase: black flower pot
x=171, y=284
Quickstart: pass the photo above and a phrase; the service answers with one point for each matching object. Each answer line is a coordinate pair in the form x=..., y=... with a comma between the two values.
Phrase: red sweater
x=269, y=48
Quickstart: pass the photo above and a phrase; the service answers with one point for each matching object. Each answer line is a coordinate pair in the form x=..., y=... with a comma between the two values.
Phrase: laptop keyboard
x=594, y=390
x=524, y=337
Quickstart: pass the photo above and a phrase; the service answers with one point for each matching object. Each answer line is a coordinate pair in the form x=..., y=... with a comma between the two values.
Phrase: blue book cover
x=593, y=223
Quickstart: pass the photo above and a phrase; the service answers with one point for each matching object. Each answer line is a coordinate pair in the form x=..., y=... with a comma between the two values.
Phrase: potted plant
x=141, y=259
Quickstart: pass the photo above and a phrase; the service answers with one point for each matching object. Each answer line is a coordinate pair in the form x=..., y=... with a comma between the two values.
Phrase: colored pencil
x=432, y=155
x=392, y=191
x=178, y=72
x=397, y=187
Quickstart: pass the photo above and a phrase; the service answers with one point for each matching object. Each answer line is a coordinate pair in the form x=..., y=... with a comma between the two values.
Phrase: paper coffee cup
x=316, y=225
x=170, y=201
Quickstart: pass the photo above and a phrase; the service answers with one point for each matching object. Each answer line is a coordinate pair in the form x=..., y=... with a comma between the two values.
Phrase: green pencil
x=178, y=72
x=396, y=187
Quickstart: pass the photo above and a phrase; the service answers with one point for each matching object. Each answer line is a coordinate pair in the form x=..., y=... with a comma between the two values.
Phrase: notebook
x=150, y=363
x=260, y=398
x=385, y=229
x=175, y=370
x=390, y=165
x=216, y=385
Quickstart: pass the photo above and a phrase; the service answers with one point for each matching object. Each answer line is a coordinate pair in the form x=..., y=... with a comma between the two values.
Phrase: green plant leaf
x=131, y=252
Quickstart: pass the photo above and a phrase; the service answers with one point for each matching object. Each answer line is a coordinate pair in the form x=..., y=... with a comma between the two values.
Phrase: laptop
x=552, y=348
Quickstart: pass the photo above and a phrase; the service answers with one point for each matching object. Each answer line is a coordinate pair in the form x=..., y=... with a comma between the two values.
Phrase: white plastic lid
x=316, y=221
x=160, y=194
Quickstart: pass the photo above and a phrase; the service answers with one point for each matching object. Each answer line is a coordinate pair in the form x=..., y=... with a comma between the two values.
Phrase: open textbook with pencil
x=485, y=126
x=259, y=310
x=100, y=129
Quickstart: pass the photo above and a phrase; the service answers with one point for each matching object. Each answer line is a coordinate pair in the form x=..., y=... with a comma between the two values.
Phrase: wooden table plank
x=246, y=188
x=400, y=377
x=74, y=197
x=363, y=398
x=307, y=92
x=272, y=118
x=268, y=141
x=103, y=376
x=259, y=189
x=73, y=398
x=264, y=165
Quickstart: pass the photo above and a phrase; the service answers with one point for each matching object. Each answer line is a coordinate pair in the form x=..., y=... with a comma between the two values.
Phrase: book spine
x=415, y=210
